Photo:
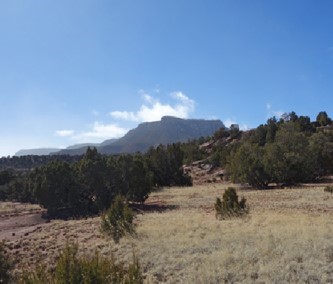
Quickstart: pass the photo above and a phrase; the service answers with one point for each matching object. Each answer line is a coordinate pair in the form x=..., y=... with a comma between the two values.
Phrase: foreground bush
x=118, y=220
x=5, y=265
x=329, y=189
x=229, y=206
x=72, y=269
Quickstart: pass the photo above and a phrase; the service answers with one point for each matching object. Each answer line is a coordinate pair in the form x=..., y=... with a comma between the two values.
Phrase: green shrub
x=229, y=206
x=69, y=268
x=118, y=220
x=5, y=265
x=39, y=276
x=329, y=189
x=73, y=269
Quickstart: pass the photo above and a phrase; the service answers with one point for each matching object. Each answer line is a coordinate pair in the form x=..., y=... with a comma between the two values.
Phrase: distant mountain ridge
x=81, y=145
x=37, y=152
x=166, y=131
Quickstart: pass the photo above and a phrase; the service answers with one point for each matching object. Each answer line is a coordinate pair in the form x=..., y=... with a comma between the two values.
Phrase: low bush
x=73, y=269
x=118, y=220
x=5, y=265
x=329, y=189
x=229, y=206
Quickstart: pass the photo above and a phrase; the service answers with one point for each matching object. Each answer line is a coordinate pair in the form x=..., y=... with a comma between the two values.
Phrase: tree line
x=89, y=185
x=287, y=151
x=25, y=163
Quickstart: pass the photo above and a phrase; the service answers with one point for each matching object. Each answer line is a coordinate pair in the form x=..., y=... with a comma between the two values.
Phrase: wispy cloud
x=100, y=131
x=228, y=122
x=152, y=109
x=244, y=127
x=64, y=133
x=97, y=132
x=271, y=112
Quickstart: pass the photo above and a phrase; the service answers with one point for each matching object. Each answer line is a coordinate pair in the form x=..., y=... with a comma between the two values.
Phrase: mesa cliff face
x=168, y=130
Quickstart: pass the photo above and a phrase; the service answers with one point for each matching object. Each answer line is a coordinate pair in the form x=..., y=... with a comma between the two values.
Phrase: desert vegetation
x=5, y=264
x=286, y=237
x=118, y=220
x=230, y=206
x=287, y=151
x=103, y=209
x=329, y=189
x=88, y=186
x=71, y=268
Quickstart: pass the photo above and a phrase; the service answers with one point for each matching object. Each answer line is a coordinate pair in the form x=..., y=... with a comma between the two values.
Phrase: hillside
x=76, y=148
x=167, y=130
x=38, y=152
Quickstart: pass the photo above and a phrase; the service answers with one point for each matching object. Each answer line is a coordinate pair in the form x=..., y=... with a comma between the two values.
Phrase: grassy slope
x=288, y=237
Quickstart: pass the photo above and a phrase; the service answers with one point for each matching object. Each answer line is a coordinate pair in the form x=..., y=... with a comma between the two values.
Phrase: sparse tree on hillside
x=247, y=166
x=323, y=119
x=259, y=135
x=272, y=126
x=166, y=164
x=321, y=146
x=289, y=159
x=234, y=131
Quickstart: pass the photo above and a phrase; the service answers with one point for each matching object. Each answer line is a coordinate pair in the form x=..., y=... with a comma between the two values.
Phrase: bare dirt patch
x=18, y=219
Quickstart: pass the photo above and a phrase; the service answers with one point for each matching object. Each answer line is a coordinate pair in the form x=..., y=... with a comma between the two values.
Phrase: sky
x=76, y=71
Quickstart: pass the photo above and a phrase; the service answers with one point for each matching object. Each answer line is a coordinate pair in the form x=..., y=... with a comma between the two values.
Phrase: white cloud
x=149, y=99
x=228, y=122
x=244, y=127
x=101, y=131
x=98, y=132
x=64, y=133
x=152, y=109
x=124, y=115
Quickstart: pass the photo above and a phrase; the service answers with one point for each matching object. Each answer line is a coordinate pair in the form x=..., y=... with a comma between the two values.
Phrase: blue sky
x=76, y=71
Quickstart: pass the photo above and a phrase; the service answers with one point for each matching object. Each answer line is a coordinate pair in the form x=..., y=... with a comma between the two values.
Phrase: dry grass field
x=286, y=238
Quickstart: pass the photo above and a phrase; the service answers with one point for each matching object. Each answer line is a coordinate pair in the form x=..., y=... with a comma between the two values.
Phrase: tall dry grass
x=286, y=238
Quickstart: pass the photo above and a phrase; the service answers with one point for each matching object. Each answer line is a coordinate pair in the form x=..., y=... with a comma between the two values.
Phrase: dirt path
x=13, y=227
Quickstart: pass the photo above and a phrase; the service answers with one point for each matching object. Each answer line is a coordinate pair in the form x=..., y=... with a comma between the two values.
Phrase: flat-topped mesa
x=169, y=129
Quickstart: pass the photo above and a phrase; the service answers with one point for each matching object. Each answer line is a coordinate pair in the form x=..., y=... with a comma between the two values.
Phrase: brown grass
x=287, y=238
